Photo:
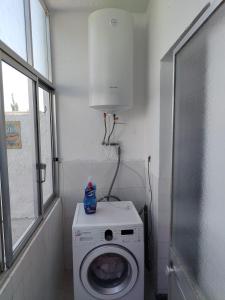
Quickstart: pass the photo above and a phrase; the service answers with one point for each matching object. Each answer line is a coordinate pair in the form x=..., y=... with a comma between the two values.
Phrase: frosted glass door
x=175, y=290
x=198, y=223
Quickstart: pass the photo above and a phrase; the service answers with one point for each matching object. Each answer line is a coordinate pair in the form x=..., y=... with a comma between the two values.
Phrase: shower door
x=197, y=254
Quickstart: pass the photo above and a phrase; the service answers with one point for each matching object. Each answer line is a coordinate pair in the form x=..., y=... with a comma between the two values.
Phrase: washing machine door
x=109, y=272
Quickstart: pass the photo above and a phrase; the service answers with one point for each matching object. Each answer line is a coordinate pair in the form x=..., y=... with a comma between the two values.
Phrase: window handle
x=42, y=168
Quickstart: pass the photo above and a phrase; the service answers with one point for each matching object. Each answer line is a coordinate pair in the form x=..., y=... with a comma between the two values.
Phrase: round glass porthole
x=109, y=272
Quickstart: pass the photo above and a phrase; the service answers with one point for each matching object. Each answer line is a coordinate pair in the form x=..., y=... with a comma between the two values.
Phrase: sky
x=17, y=86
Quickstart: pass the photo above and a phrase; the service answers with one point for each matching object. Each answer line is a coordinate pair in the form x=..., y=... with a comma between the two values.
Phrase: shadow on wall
x=140, y=64
x=140, y=79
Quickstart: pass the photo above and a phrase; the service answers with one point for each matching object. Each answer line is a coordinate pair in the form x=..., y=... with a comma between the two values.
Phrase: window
x=12, y=26
x=21, y=150
x=26, y=153
x=27, y=166
x=40, y=37
x=45, y=133
x=24, y=28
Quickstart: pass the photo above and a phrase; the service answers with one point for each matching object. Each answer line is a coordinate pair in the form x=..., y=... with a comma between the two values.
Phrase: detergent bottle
x=90, y=201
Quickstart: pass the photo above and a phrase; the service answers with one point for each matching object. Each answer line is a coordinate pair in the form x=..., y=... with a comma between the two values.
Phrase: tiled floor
x=67, y=288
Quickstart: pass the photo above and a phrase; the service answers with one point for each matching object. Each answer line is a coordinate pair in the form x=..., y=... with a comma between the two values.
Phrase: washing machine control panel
x=124, y=235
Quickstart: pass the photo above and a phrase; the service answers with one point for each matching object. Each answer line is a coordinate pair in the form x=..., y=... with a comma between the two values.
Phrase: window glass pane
x=46, y=143
x=39, y=37
x=49, y=49
x=21, y=152
x=12, y=26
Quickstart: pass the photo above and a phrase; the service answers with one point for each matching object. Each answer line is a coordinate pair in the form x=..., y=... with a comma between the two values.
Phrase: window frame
x=8, y=56
x=46, y=203
x=1, y=235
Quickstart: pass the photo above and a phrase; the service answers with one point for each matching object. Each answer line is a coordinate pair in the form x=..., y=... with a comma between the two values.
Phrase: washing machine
x=108, y=253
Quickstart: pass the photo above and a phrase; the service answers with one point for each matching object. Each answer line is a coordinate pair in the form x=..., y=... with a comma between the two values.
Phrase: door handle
x=170, y=270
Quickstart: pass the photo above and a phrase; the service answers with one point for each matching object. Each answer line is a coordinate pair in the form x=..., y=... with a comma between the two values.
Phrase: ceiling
x=137, y=6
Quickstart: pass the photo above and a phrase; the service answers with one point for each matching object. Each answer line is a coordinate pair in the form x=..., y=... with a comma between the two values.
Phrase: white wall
x=81, y=129
x=167, y=21
x=38, y=272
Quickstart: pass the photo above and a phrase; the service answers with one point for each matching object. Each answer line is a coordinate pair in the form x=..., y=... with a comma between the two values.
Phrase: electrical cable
x=151, y=195
x=149, y=232
x=109, y=195
x=150, y=187
x=145, y=211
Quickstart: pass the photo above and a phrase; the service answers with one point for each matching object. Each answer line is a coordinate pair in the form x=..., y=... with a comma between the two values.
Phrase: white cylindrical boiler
x=111, y=60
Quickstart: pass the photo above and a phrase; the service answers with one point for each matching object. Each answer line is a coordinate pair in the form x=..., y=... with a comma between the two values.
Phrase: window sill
x=6, y=275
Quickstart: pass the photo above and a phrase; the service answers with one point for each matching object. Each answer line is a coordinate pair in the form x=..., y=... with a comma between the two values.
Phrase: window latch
x=42, y=168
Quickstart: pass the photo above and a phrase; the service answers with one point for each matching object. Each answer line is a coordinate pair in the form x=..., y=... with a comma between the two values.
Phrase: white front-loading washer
x=108, y=253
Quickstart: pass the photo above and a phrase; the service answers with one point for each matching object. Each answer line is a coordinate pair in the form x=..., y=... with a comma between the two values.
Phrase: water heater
x=111, y=60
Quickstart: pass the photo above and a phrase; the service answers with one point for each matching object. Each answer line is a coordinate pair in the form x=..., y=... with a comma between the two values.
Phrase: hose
x=105, y=126
x=115, y=175
x=114, y=124
x=109, y=195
